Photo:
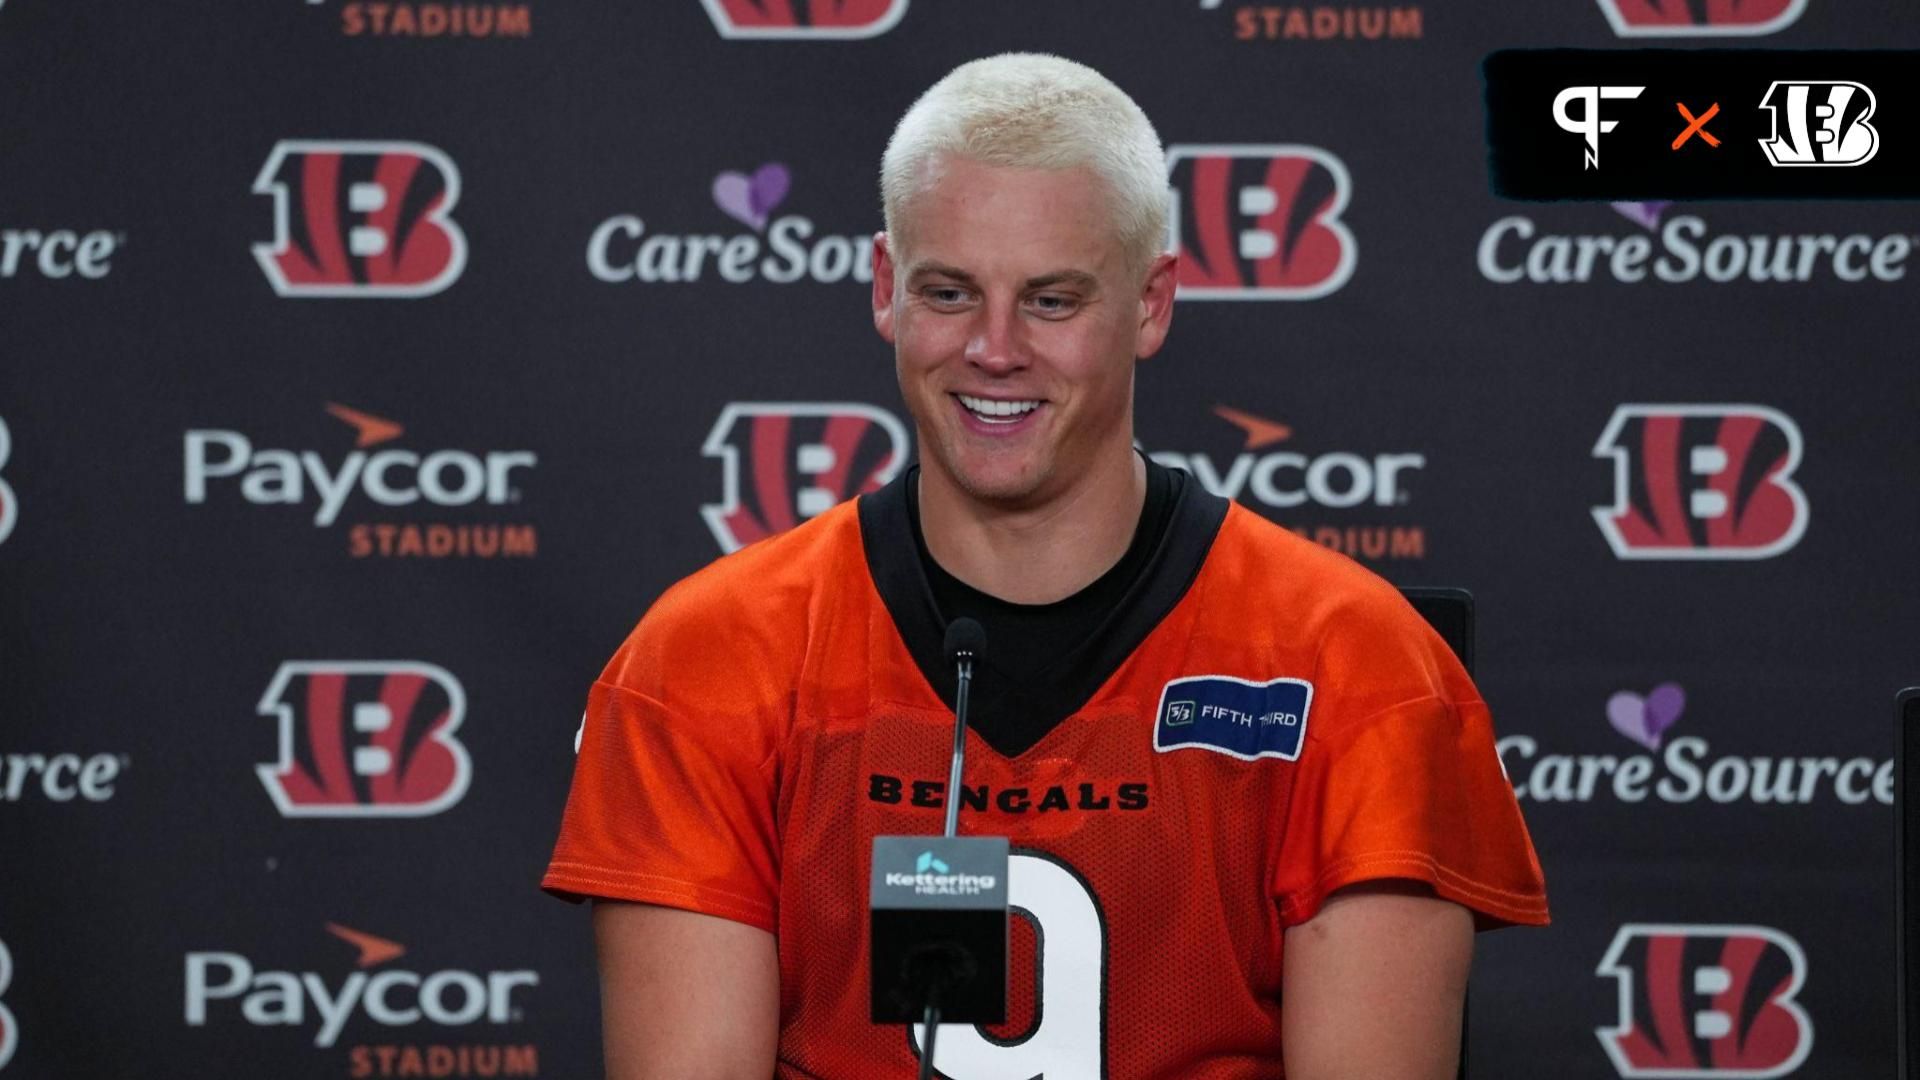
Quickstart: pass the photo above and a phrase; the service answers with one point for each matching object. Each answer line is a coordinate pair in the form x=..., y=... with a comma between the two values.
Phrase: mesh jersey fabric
x=765, y=720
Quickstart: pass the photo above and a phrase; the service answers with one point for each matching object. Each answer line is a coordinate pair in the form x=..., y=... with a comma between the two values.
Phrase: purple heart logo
x=1646, y=719
x=750, y=199
x=1644, y=214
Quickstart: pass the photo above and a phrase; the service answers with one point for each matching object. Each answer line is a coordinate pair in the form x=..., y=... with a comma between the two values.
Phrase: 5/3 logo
x=1069, y=1000
x=1826, y=124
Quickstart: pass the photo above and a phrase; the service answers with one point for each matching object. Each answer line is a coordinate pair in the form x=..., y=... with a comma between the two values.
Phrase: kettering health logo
x=1683, y=769
x=932, y=877
x=781, y=249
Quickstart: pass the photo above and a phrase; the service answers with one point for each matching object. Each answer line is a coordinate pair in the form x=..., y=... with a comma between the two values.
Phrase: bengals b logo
x=787, y=462
x=1700, y=18
x=814, y=19
x=1702, y=482
x=358, y=219
x=365, y=738
x=1259, y=222
x=1706, y=1001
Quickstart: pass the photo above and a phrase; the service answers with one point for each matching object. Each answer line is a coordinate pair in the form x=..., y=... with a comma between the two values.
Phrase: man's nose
x=995, y=345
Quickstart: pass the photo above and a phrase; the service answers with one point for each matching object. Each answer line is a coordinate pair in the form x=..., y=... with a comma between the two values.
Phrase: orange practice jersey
x=1287, y=726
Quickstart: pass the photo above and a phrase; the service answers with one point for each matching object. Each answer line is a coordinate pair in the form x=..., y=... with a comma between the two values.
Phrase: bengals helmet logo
x=358, y=219
x=9, y=506
x=1700, y=18
x=365, y=738
x=1702, y=482
x=815, y=19
x=788, y=462
x=1259, y=222
x=9, y=1028
x=1706, y=1001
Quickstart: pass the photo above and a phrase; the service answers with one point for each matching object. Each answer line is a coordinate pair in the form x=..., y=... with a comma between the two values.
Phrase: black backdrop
x=1398, y=377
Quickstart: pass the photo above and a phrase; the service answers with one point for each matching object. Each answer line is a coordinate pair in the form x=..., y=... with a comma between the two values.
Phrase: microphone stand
x=964, y=665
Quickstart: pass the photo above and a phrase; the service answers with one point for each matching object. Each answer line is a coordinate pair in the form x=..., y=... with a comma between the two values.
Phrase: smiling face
x=1016, y=319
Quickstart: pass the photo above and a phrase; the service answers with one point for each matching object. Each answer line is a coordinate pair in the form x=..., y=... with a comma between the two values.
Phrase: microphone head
x=965, y=637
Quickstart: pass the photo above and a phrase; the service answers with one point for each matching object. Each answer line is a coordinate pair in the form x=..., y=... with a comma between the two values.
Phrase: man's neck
x=1041, y=554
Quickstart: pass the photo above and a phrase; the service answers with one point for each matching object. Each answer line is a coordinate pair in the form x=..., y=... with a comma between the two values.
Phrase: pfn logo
x=360, y=219
x=1259, y=222
x=1826, y=124
x=1706, y=1001
x=9, y=1028
x=787, y=462
x=1588, y=124
x=365, y=738
x=1702, y=482
x=9, y=506
x=815, y=19
x=1700, y=18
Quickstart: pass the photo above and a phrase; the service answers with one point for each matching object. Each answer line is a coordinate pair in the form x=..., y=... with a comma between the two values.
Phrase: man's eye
x=945, y=294
x=1049, y=304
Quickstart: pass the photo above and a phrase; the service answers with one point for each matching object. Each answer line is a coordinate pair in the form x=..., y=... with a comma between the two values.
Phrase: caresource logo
x=780, y=249
x=1515, y=249
x=1819, y=124
x=230, y=988
x=1700, y=18
x=9, y=505
x=1702, y=482
x=59, y=253
x=356, y=218
x=1683, y=768
x=60, y=777
x=785, y=462
x=9, y=1028
x=1288, y=484
x=391, y=477
x=1706, y=1001
x=365, y=738
x=814, y=20
x=1259, y=222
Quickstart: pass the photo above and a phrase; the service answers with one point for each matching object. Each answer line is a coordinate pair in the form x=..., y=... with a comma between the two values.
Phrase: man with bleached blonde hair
x=1253, y=800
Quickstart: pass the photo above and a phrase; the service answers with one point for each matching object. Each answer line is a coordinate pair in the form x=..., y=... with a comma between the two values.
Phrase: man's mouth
x=996, y=411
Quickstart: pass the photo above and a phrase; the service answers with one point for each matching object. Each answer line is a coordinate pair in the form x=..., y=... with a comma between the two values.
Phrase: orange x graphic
x=1697, y=125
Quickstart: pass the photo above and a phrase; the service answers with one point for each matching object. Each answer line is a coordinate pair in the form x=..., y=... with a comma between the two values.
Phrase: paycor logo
x=224, y=987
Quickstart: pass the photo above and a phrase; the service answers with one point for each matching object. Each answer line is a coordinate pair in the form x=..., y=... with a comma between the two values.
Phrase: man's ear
x=1156, y=305
x=882, y=287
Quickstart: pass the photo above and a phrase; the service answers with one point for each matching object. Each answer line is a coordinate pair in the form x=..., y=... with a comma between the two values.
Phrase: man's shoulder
x=749, y=613
x=1268, y=564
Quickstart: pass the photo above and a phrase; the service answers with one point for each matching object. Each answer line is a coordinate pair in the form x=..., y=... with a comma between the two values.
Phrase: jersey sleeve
x=673, y=791
x=1399, y=778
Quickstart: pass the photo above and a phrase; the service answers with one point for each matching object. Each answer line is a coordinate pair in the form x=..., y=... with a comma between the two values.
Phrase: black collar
x=1012, y=719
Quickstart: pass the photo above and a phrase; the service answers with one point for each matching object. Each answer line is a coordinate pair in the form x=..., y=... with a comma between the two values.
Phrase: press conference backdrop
x=369, y=367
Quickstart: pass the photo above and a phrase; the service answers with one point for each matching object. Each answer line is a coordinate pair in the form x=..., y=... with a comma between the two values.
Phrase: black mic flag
x=938, y=904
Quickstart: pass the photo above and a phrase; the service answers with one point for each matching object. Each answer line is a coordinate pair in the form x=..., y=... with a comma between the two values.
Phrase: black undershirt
x=1025, y=640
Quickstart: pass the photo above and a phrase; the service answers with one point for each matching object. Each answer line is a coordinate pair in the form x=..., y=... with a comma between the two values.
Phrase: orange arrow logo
x=1259, y=432
x=373, y=950
x=373, y=430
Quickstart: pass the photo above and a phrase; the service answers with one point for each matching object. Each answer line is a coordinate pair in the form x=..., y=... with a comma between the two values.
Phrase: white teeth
x=1000, y=411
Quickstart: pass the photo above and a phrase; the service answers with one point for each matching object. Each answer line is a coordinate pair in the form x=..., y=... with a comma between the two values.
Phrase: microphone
x=966, y=640
x=938, y=905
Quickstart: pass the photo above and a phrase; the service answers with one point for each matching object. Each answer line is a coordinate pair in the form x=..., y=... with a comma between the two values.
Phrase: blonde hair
x=1035, y=111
